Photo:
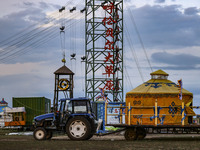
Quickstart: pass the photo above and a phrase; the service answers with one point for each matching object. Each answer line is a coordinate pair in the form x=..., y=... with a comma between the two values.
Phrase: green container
x=34, y=106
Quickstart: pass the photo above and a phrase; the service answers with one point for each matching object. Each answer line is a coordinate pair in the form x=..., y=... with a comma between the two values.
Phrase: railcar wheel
x=130, y=134
x=78, y=128
x=141, y=133
x=40, y=133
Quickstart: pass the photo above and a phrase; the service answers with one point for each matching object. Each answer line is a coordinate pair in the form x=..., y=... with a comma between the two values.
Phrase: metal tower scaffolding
x=104, y=49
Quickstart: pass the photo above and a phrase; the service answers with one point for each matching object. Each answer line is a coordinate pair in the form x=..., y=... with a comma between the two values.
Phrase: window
x=80, y=107
x=158, y=77
x=62, y=107
x=69, y=106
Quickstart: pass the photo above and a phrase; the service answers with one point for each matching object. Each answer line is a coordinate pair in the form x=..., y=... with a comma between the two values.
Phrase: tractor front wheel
x=40, y=133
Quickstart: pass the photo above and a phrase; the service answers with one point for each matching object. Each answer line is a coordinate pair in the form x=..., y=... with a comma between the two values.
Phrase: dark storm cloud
x=165, y=26
x=44, y=5
x=159, y=1
x=15, y=22
x=177, y=61
x=191, y=11
x=24, y=20
x=28, y=4
x=16, y=25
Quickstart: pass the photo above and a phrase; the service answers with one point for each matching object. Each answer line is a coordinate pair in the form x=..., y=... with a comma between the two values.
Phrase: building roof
x=64, y=71
x=159, y=72
x=3, y=102
x=159, y=86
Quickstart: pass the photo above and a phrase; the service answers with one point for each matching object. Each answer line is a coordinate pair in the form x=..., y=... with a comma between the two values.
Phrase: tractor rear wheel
x=79, y=128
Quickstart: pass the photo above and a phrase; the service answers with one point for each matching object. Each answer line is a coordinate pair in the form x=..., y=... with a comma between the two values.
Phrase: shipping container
x=34, y=106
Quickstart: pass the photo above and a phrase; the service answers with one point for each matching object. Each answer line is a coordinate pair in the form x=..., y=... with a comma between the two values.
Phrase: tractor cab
x=70, y=107
x=75, y=106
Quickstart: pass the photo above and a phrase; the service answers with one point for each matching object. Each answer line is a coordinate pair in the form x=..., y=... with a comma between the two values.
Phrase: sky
x=169, y=30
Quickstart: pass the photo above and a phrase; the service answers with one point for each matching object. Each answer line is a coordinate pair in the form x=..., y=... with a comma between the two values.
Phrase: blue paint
x=159, y=84
x=2, y=108
x=45, y=116
x=154, y=85
x=172, y=109
x=158, y=110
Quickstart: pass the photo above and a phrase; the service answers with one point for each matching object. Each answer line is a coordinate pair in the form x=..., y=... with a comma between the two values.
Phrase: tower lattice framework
x=104, y=49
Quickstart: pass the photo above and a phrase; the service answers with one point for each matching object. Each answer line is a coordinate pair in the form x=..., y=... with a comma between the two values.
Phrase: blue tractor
x=74, y=117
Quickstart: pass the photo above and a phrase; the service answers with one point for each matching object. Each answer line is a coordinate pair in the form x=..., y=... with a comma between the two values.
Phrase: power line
x=38, y=42
x=133, y=53
x=140, y=39
x=24, y=39
x=20, y=33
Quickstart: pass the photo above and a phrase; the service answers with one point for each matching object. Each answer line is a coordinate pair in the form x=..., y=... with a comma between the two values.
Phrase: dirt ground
x=109, y=142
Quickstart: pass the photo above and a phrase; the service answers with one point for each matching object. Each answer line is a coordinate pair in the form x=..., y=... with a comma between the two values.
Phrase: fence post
x=105, y=113
x=120, y=113
x=156, y=112
x=129, y=113
x=183, y=120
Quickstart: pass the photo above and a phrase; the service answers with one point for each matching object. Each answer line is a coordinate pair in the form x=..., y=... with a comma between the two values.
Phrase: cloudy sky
x=169, y=30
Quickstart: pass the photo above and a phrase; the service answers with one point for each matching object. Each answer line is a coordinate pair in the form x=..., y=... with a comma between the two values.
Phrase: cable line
x=140, y=39
x=133, y=53
x=23, y=39
x=40, y=41
x=20, y=34
x=21, y=42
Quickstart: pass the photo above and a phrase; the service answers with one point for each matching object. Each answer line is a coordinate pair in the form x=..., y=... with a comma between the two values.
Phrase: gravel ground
x=109, y=142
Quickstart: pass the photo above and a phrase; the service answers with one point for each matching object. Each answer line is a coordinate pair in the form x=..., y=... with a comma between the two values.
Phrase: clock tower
x=63, y=85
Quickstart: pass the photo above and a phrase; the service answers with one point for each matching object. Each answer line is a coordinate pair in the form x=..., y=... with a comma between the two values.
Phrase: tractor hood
x=45, y=116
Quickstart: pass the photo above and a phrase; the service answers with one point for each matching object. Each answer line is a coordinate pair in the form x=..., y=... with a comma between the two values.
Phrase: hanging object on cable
x=64, y=60
x=62, y=34
x=61, y=9
x=71, y=10
x=83, y=58
x=83, y=10
x=73, y=56
x=62, y=29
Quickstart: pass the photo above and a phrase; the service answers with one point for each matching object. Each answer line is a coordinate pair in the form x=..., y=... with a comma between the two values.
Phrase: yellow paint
x=120, y=114
x=105, y=113
x=183, y=122
x=129, y=113
x=156, y=112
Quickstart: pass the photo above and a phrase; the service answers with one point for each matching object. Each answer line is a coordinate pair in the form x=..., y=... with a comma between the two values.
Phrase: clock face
x=63, y=84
